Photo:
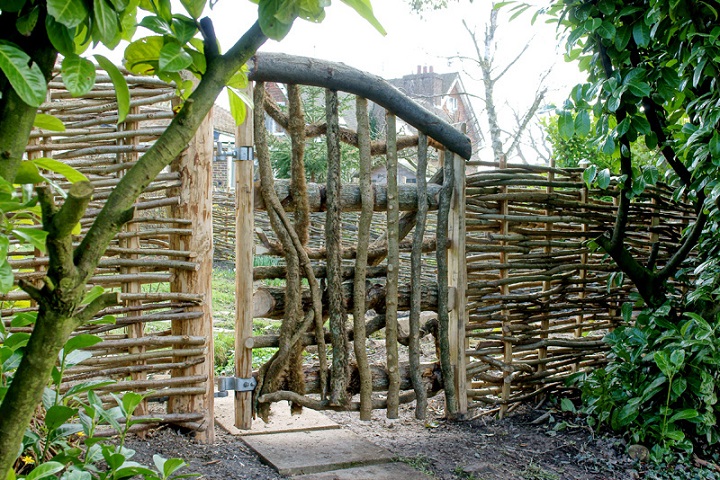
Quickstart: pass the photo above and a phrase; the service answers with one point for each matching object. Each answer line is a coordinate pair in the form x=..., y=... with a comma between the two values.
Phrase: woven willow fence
x=156, y=346
x=538, y=299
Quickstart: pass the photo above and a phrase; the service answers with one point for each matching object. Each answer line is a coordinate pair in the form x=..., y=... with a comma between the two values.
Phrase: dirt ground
x=485, y=448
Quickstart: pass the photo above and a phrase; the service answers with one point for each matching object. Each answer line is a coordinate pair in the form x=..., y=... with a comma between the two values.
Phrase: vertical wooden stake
x=393, y=266
x=546, y=285
x=244, y=254
x=583, y=263
x=195, y=168
x=504, y=291
x=135, y=330
x=457, y=283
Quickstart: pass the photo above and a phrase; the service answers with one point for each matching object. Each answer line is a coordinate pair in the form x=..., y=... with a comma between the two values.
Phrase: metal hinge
x=236, y=384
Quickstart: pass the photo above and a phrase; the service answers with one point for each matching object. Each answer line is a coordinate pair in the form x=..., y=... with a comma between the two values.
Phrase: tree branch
x=688, y=244
x=180, y=131
x=100, y=303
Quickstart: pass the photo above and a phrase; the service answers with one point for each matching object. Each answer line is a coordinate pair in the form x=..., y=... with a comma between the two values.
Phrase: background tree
x=652, y=79
x=313, y=99
x=651, y=69
x=503, y=141
x=34, y=33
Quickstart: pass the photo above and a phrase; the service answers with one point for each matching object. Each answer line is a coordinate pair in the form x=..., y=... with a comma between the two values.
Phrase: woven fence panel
x=138, y=351
x=540, y=301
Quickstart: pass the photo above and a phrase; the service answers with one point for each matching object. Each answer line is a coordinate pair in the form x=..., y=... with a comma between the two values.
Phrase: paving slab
x=298, y=453
x=388, y=471
x=280, y=420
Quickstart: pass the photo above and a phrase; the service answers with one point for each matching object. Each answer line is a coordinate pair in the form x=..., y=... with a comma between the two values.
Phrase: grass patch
x=420, y=463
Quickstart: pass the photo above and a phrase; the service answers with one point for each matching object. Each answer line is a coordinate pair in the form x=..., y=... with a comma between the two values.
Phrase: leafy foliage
x=64, y=444
x=661, y=384
x=315, y=152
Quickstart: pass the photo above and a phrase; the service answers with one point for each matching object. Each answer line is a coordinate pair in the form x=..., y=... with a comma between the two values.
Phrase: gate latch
x=236, y=384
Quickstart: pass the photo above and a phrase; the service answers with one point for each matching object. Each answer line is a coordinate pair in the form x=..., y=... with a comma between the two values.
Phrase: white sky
x=413, y=40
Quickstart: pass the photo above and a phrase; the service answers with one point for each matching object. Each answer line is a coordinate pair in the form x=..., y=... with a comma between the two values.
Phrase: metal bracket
x=236, y=384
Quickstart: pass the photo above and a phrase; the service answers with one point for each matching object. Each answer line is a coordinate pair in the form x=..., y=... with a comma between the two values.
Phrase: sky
x=437, y=39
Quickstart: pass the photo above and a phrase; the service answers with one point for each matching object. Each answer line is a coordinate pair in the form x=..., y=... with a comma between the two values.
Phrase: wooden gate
x=354, y=256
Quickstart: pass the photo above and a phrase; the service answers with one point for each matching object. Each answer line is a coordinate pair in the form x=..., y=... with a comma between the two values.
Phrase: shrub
x=660, y=386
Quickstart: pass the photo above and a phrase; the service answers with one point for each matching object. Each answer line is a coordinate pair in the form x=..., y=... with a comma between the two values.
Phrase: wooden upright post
x=547, y=284
x=505, y=291
x=195, y=168
x=457, y=283
x=136, y=330
x=244, y=254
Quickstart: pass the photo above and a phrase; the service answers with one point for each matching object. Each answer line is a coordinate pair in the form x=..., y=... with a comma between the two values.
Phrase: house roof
x=223, y=121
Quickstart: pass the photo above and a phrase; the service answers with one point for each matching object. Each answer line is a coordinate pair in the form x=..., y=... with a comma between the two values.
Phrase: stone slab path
x=313, y=447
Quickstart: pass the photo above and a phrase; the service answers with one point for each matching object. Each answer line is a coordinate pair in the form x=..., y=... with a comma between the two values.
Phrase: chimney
x=431, y=69
x=419, y=70
x=424, y=69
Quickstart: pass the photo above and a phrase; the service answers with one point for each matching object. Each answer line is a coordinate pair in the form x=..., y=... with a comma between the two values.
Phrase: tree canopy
x=34, y=33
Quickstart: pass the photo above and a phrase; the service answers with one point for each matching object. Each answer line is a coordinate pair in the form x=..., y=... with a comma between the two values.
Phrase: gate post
x=244, y=252
x=457, y=283
x=195, y=206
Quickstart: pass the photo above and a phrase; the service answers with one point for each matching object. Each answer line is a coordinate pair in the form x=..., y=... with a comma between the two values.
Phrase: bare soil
x=485, y=448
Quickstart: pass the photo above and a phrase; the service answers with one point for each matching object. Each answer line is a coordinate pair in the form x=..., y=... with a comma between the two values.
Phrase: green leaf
x=142, y=55
x=11, y=472
x=239, y=80
x=650, y=175
x=28, y=173
x=88, y=386
x=715, y=145
x=122, y=92
x=48, y=122
x=566, y=125
x=603, y=178
x=27, y=81
x=194, y=7
x=172, y=465
x=641, y=33
x=70, y=13
x=4, y=247
x=106, y=21
x=662, y=360
x=57, y=415
x=589, y=175
x=7, y=278
x=608, y=147
x=364, y=8
x=685, y=414
x=156, y=24
x=78, y=356
x=269, y=23
x=566, y=405
x=33, y=236
x=11, y=5
x=120, y=5
x=130, y=402
x=626, y=415
x=627, y=311
x=104, y=320
x=174, y=58
x=677, y=358
x=92, y=294
x=185, y=28
x=45, y=470
x=82, y=340
x=582, y=123
x=237, y=105
x=60, y=168
x=78, y=75
x=128, y=24
x=26, y=23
